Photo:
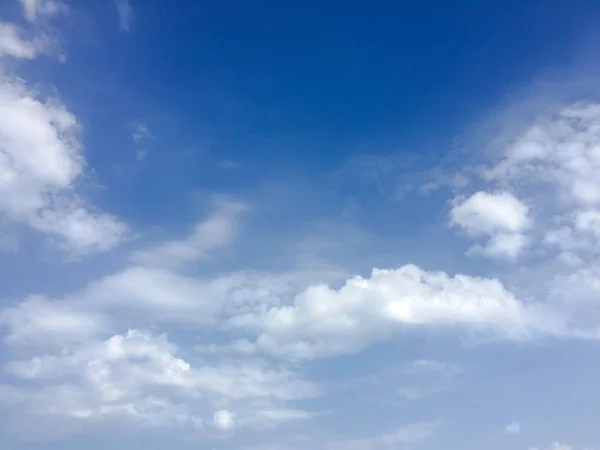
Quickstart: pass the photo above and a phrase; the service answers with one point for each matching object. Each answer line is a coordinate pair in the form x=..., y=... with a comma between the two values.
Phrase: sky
x=299, y=225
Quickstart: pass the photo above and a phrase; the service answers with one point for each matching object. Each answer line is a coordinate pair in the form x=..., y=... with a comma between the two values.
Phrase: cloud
x=321, y=321
x=140, y=135
x=553, y=165
x=37, y=320
x=216, y=232
x=556, y=446
x=512, y=428
x=223, y=420
x=35, y=9
x=415, y=392
x=40, y=163
x=420, y=366
x=136, y=376
x=562, y=150
x=273, y=416
x=402, y=436
x=143, y=296
x=499, y=215
x=125, y=12
x=13, y=43
x=546, y=175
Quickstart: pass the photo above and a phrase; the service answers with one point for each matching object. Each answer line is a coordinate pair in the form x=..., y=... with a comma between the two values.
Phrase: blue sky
x=292, y=225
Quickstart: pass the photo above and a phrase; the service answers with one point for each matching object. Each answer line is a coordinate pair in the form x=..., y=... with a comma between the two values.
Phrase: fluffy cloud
x=488, y=213
x=137, y=376
x=322, y=321
x=543, y=192
x=562, y=149
x=554, y=164
x=40, y=162
x=499, y=215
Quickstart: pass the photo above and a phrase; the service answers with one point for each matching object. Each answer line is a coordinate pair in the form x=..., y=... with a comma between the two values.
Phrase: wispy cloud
x=125, y=14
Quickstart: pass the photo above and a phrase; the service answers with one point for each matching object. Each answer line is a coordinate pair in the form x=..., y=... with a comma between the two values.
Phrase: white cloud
x=142, y=296
x=39, y=321
x=223, y=420
x=554, y=163
x=13, y=43
x=488, y=213
x=502, y=245
x=217, y=231
x=550, y=170
x=40, y=162
x=499, y=215
x=137, y=376
x=562, y=150
x=125, y=12
x=322, y=321
x=34, y=9
x=17, y=43
x=513, y=428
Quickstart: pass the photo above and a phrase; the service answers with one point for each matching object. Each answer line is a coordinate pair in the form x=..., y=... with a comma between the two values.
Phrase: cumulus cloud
x=499, y=215
x=541, y=200
x=276, y=315
x=487, y=213
x=562, y=149
x=40, y=162
x=137, y=376
x=322, y=321
x=554, y=164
